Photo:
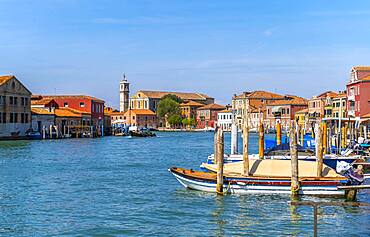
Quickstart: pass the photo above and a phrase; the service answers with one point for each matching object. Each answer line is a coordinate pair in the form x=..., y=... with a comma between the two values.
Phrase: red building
x=358, y=92
x=88, y=104
x=207, y=115
x=283, y=111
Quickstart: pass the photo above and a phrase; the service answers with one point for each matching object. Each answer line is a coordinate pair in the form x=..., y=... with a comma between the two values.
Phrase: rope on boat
x=295, y=190
x=228, y=188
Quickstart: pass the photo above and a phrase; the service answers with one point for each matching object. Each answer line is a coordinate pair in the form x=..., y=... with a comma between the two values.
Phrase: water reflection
x=217, y=214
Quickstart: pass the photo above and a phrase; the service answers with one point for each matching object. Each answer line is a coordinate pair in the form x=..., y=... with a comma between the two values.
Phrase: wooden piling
x=319, y=151
x=220, y=162
x=302, y=136
x=344, y=136
x=294, y=161
x=245, y=148
x=324, y=137
x=261, y=141
x=215, y=139
x=278, y=133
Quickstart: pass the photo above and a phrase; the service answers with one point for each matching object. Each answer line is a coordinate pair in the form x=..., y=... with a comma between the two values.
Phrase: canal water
x=119, y=186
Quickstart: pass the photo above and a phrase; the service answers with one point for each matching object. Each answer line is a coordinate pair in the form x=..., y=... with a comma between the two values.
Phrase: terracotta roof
x=361, y=68
x=293, y=100
x=116, y=113
x=70, y=96
x=367, y=78
x=331, y=94
x=191, y=103
x=303, y=111
x=366, y=116
x=68, y=112
x=182, y=95
x=226, y=111
x=109, y=110
x=4, y=79
x=213, y=107
x=259, y=94
x=141, y=111
x=43, y=101
x=41, y=111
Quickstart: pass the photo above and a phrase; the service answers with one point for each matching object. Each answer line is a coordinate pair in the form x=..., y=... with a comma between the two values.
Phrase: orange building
x=142, y=118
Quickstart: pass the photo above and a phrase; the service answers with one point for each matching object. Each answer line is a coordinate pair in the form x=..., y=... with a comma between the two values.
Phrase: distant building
x=189, y=109
x=15, y=108
x=124, y=95
x=149, y=99
x=42, y=120
x=358, y=92
x=142, y=118
x=283, y=111
x=207, y=115
x=316, y=106
x=301, y=117
x=255, y=102
x=225, y=119
x=336, y=104
x=82, y=103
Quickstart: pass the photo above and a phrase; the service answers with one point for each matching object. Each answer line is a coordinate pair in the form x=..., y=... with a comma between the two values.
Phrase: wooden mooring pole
x=278, y=133
x=245, y=148
x=294, y=160
x=319, y=150
x=215, y=145
x=261, y=141
x=220, y=162
x=324, y=138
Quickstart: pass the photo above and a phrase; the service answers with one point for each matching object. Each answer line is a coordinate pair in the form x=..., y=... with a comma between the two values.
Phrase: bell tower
x=124, y=94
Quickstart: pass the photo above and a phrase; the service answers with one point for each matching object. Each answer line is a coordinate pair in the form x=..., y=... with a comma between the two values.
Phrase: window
x=287, y=111
x=283, y=111
x=1, y=118
x=11, y=100
x=65, y=104
x=82, y=104
x=4, y=118
x=22, y=118
x=25, y=101
x=15, y=100
x=15, y=118
x=133, y=117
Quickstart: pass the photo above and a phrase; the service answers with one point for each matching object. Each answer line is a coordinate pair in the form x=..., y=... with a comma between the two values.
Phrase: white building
x=225, y=119
x=124, y=95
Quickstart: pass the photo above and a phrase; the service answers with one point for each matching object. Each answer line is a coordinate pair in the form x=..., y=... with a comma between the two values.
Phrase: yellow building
x=189, y=109
x=301, y=117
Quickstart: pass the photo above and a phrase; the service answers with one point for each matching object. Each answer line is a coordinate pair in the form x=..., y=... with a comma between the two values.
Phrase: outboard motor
x=355, y=176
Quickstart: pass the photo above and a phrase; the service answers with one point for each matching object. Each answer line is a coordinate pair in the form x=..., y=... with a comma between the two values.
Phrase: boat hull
x=244, y=186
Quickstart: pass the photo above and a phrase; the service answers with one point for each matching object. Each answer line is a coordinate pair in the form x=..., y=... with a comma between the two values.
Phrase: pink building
x=207, y=115
x=283, y=111
x=358, y=92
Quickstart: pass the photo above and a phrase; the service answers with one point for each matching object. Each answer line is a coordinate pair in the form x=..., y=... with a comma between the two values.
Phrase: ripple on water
x=121, y=187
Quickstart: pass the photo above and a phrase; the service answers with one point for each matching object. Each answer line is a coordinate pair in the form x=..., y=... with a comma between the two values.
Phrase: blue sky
x=215, y=47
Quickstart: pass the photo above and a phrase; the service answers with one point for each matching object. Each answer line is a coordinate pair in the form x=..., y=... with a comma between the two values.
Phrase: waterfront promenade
x=119, y=186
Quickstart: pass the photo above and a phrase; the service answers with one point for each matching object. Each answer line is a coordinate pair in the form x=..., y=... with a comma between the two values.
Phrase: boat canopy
x=273, y=168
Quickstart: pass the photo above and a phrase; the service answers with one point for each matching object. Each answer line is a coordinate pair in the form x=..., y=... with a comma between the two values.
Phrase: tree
x=172, y=97
x=185, y=122
x=174, y=120
x=168, y=107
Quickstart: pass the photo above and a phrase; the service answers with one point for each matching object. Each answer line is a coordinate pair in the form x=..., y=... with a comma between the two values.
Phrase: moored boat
x=205, y=181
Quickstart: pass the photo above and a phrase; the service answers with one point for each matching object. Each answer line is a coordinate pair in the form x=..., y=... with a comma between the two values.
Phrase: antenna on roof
x=124, y=76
